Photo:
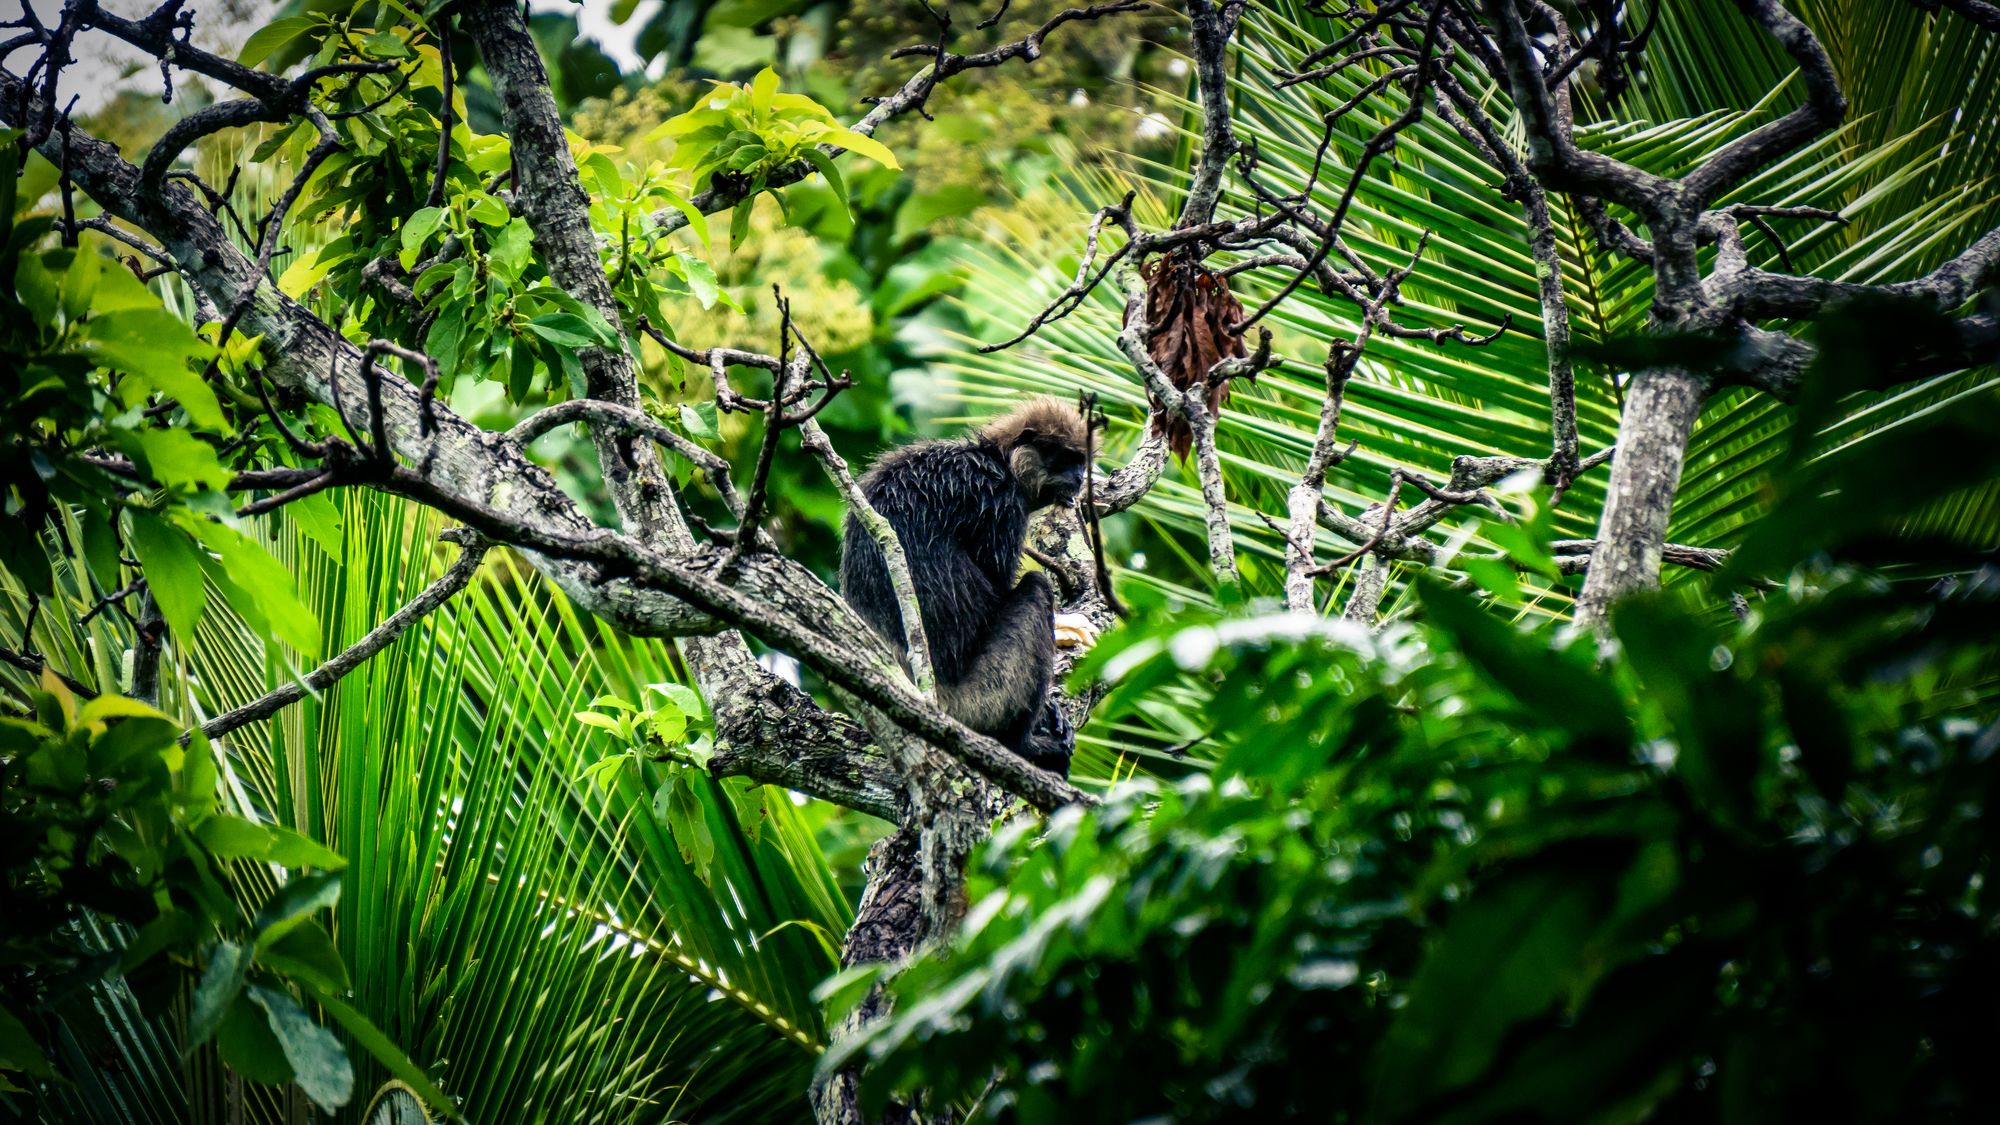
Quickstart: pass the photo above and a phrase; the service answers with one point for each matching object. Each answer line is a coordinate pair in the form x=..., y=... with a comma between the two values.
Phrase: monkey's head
x=1043, y=441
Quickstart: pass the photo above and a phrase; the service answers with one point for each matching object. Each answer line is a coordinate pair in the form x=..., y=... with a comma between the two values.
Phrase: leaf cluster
x=109, y=817
x=1458, y=871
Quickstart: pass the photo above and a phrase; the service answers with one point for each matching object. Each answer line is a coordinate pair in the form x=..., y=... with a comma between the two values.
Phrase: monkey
x=961, y=508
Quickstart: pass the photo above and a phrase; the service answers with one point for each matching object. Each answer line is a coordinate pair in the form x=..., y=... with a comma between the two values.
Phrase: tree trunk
x=1660, y=409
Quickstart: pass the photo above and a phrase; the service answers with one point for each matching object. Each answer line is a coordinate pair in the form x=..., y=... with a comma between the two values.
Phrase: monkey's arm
x=1005, y=676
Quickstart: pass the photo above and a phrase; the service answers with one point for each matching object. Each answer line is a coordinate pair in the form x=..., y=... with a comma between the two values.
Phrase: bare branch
x=714, y=469
x=472, y=548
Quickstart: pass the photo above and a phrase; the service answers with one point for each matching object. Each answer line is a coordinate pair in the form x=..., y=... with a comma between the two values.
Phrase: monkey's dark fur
x=961, y=510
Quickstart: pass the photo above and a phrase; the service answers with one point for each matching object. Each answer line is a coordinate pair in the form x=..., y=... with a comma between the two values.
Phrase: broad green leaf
x=272, y=36
x=106, y=707
x=220, y=983
x=489, y=211
x=697, y=118
x=319, y=1064
x=513, y=248
x=446, y=333
x=386, y=45
x=700, y=278
x=417, y=230
x=830, y=168
x=172, y=569
x=699, y=419
x=79, y=282
x=320, y=519
x=860, y=144
x=308, y=953
x=235, y=838
x=252, y=569
x=1554, y=686
x=100, y=549
x=384, y=1050
x=697, y=221
x=306, y=271
x=177, y=459
x=520, y=371
x=18, y=1050
x=247, y=1044
x=761, y=89
x=158, y=347
x=681, y=695
x=1507, y=956
x=564, y=330
x=293, y=902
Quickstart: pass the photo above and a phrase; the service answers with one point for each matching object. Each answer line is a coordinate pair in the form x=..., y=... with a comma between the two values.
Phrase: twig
x=1093, y=419
x=473, y=548
x=916, y=644
x=436, y=196
x=713, y=468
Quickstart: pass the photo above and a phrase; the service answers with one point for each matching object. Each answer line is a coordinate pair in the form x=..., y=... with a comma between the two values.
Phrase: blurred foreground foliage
x=1455, y=871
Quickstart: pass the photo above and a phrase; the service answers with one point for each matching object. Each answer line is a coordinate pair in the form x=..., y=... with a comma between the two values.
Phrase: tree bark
x=1660, y=409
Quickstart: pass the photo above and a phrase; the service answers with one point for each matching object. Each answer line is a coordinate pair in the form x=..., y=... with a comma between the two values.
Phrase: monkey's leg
x=1006, y=676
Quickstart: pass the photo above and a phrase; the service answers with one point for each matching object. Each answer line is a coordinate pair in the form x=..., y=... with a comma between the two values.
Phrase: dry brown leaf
x=1190, y=309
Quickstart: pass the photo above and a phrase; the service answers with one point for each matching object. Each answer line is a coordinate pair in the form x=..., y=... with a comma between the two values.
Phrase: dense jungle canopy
x=1528, y=628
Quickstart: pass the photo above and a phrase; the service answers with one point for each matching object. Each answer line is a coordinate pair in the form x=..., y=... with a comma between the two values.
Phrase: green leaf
x=172, y=568
x=294, y=902
x=687, y=818
x=306, y=271
x=513, y=249
x=1507, y=956
x=564, y=330
x=318, y=518
x=829, y=168
x=79, y=283
x=383, y=1049
x=446, y=333
x=308, y=954
x=386, y=45
x=681, y=695
x=1552, y=685
x=697, y=221
x=699, y=419
x=268, y=39
x=761, y=89
x=489, y=211
x=520, y=371
x=100, y=549
x=233, y=837
x=697, y=118
x=251, y=569
x=319, y=1063
x=113, y=753
x=18, y=1050
x=599, y=327
x=220, y=984
x=249, y=1047
x=177, y=459
x=860, y=144
x=416, y=231
x=700, y=278
x=158, y=347
x=739, y=221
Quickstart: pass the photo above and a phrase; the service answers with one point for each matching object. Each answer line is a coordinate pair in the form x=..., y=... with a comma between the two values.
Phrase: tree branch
x=472, y=549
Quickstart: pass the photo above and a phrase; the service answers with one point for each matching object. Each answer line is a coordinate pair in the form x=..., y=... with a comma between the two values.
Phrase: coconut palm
x=515, y=915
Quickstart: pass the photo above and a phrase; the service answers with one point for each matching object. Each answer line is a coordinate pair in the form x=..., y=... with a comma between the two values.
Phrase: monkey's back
x=961, y=519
